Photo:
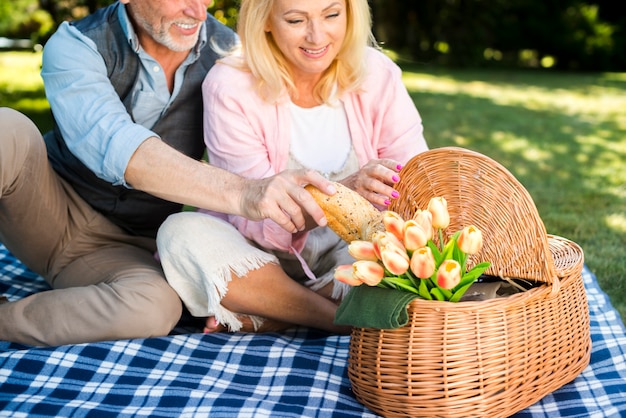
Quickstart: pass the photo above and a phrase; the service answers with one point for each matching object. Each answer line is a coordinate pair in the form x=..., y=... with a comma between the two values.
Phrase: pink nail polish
x=399, y=167
x=387, y=202
x=395, y=179
x=395, y=194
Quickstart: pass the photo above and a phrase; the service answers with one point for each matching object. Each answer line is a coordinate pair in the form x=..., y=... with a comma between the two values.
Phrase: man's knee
x=169, y=309
x=17, y=125
x=20, y=140
x=156, y=312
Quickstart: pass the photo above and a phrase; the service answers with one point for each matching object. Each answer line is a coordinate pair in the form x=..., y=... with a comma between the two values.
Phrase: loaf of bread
x=349, y=214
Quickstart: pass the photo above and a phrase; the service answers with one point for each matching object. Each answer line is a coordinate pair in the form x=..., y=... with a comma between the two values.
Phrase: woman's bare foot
x=269, y=325
x=211, y=325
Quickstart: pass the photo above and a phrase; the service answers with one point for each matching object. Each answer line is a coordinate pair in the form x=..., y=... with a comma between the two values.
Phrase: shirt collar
x=133, y=40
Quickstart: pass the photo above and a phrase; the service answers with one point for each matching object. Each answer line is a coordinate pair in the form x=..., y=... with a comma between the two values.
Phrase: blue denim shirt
x=93, y=120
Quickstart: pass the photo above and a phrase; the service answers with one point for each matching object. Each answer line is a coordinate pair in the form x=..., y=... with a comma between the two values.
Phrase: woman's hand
x=375, y=181
x=283, y=199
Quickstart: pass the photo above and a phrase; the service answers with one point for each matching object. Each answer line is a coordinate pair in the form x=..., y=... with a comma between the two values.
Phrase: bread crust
x=349, y=214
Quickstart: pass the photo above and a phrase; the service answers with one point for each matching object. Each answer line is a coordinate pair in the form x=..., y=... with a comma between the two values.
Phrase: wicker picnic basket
x=480, y=358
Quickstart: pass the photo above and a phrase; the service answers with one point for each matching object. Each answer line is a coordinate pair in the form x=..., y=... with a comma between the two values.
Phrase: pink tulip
x=362, y=250
x=393, y=223
x=368, y=272
x=438, y=207
x=382, y=239
x=377, y=237
x=424, y=219
x=423, y=263
x=345, y=274
x=396, y=260
x=414, y=235
x=393, y=240
x=449, y=274
x=470, y=240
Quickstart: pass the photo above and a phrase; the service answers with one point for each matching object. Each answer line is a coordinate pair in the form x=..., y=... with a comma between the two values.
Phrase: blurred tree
x=226, y=11
x=24, y=19
x=568, y=34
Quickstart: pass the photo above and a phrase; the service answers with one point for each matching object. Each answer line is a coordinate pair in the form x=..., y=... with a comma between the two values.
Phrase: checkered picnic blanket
x=299, y=373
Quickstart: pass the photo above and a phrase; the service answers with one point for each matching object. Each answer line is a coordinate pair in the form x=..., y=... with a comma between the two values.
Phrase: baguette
x=349, y=214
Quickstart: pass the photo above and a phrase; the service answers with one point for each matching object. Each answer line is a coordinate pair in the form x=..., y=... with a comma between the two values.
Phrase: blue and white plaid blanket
x=300, y=373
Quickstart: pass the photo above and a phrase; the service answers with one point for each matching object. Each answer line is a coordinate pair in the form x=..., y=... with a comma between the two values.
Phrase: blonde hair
x=265, y=61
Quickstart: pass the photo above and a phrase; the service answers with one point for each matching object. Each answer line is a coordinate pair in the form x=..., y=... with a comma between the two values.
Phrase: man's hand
x=283, y=199
x=160, y=170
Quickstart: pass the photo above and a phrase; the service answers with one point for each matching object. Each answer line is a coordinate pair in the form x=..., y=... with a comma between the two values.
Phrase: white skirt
x=200, y=253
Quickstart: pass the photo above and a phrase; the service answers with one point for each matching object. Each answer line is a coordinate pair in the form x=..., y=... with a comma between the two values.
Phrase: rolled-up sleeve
x=91, y=117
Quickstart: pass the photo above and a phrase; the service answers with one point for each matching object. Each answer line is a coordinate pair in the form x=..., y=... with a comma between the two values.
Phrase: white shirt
x=320, y=138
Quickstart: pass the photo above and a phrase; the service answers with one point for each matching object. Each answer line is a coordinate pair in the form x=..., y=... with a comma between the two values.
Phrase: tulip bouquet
x=405, y=257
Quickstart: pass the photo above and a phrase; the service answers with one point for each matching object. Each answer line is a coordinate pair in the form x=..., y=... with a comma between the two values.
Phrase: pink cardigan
x=249, y=136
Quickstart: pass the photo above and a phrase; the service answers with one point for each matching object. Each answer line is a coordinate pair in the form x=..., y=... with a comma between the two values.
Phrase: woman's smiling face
x=309, y=33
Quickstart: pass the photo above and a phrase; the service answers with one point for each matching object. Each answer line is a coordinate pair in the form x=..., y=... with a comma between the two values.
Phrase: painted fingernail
x=399, y=167
x=395, y=178
x=395, y=194
x=387, y=202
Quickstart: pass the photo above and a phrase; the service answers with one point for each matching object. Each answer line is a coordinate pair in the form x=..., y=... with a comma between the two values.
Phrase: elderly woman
x=307, y=89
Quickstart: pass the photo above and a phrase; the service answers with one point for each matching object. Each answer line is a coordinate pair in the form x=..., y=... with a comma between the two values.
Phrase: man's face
x=174, y=24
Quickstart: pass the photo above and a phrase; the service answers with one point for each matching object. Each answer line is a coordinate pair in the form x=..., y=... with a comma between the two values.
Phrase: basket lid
x=481, y=192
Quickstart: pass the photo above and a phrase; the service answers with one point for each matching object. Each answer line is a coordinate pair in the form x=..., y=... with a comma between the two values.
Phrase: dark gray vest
x=181, y=126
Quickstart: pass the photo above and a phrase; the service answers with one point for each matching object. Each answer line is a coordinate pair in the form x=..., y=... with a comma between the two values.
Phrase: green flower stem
x=415, y=280
x=463, y=263
x=441, y=244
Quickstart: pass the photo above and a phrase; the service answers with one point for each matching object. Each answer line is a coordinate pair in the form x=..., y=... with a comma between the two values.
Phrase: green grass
x=563, y=136
x=21, y=86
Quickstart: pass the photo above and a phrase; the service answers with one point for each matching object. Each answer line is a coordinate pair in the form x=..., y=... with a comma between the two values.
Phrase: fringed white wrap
x=199, y=254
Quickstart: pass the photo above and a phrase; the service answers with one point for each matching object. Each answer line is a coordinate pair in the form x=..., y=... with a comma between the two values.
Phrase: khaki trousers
x=106, y=283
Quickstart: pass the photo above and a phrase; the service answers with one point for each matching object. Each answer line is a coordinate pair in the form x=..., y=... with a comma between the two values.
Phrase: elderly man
x=82, y=207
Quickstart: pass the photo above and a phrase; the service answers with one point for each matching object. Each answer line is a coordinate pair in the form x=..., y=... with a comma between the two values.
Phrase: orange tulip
x=424, y=219
x=423, y=263
x=396, y=260
x=362, y=250
x=438, y=207
x=393, y=223
x=414, y=235
x=345, y=274
x=449, y=274
x=470, y=240
x=368, y=272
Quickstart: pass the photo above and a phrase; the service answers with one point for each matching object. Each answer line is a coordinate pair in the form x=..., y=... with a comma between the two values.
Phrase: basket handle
x=481, y=192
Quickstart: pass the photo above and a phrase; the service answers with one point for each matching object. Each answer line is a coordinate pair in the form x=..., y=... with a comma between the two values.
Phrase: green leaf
x=383, y=285
x=403, y=284
x=459, y=293
x=484, y=266
x=438, y=293
x=477, y=270
x=436, y=253
x=424, y=291
x=467, y=279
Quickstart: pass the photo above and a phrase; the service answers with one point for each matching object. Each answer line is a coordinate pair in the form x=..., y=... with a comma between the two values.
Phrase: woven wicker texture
x=479, y=359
